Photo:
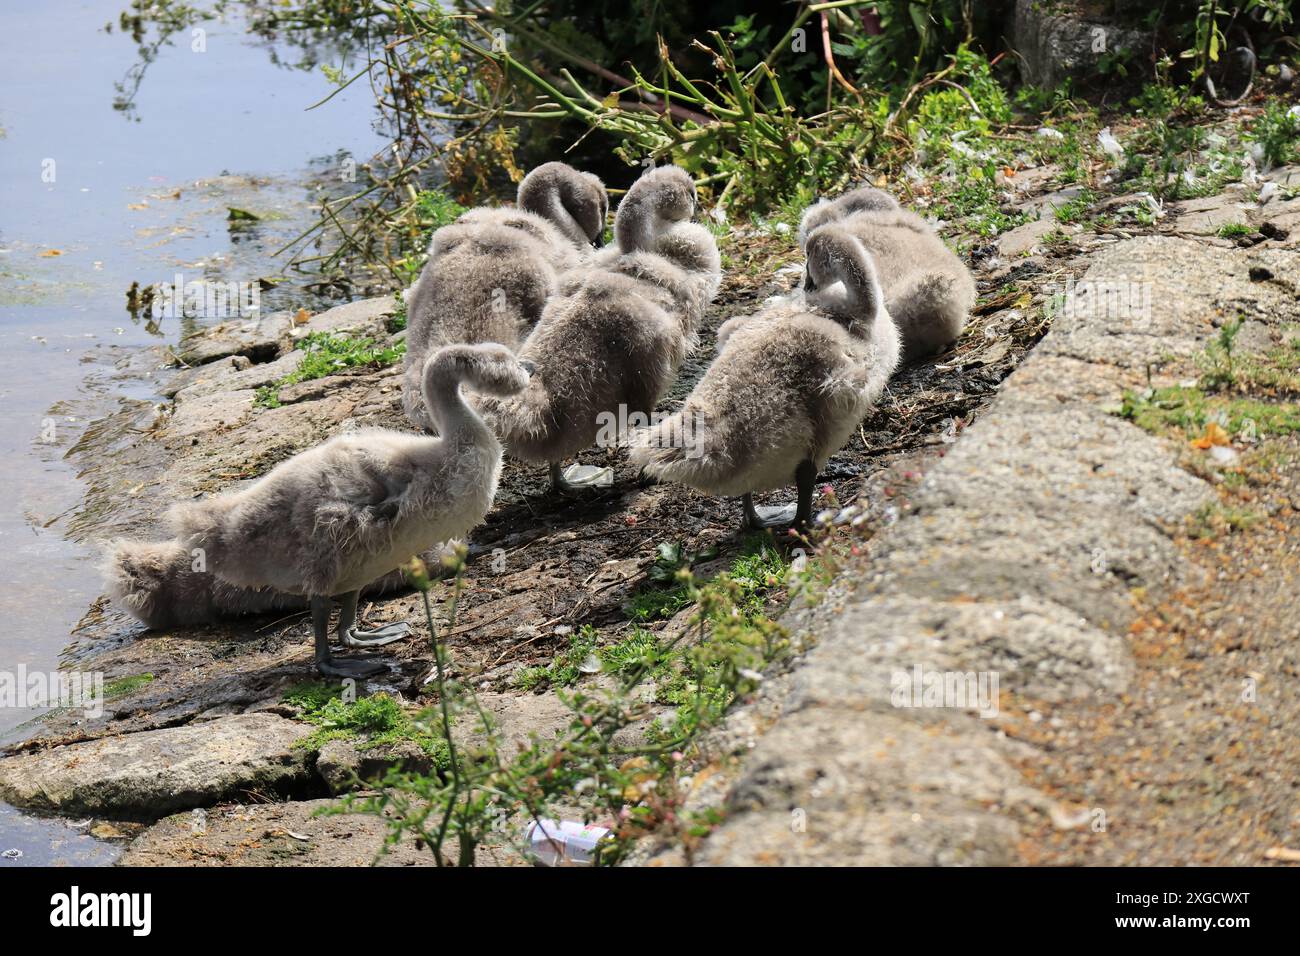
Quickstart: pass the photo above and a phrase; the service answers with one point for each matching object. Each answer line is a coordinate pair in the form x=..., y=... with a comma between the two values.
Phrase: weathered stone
x=853, y=838
x=1281, y=222
x=1036, y=648
x=255, y=338
x=1062, y=378
x=222, y=376
x=216, y=370
x=1045, y=206
x=1055, y=46
x=856, y=785
x=156, y=772
x=1048, y=458
x=516, y=721
x=1207, y=216
x=1086, y=560
x=271, y=834
x=342, y=763
x=363, y=317
x=1152, y=300
x=212, y=412
x=1025, y=237
x=1288, y=176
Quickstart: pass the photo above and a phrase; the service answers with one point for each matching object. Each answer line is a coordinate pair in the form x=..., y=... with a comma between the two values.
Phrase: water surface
x=94, y=197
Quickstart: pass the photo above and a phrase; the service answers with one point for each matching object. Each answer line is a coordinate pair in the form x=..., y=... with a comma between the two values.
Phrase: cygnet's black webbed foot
x=356, y=668
x=352, y=636
x=794, y=516
x=376, y=637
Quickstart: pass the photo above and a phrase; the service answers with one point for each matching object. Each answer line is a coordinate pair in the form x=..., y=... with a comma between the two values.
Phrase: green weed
x=126, y=685
x=327, y=353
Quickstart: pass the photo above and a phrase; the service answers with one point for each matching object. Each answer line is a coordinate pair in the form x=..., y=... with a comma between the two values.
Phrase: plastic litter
x=777, y=513
x=591, y=475
x=564, y=842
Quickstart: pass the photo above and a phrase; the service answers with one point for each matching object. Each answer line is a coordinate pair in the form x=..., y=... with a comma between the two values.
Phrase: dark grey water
x=93, y=198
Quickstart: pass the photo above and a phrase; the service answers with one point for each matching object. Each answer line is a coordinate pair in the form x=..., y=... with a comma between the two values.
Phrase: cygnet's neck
x=636, y=226
x=451, y=414
x=554, y=210
x=849, y=287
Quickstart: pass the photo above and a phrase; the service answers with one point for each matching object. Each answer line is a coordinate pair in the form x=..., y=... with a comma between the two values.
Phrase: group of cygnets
x=524, y=334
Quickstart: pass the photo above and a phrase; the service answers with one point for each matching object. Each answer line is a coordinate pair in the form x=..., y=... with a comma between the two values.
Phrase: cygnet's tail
x=163, y=584
x=930, y=310
x=683, y=447
x=154, y=581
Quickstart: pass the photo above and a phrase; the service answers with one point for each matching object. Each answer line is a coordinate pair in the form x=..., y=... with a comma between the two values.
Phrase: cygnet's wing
x=362, y=487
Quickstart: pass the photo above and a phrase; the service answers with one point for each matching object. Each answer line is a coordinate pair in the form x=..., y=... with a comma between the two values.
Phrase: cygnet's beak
x=599, y=241
x=808, y=284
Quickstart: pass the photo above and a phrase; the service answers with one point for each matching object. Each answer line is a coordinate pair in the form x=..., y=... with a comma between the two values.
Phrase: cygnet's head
x=575, y=201
x=837, y=258
x=814, y=217
x=659, y=200
x=487, y=367
x=670, y=191
x=866, y=199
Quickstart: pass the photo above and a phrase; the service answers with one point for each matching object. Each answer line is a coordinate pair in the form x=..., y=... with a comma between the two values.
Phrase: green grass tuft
x=1233, y=230
x=126, y=685
x=327, y=353
x=376, y=721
